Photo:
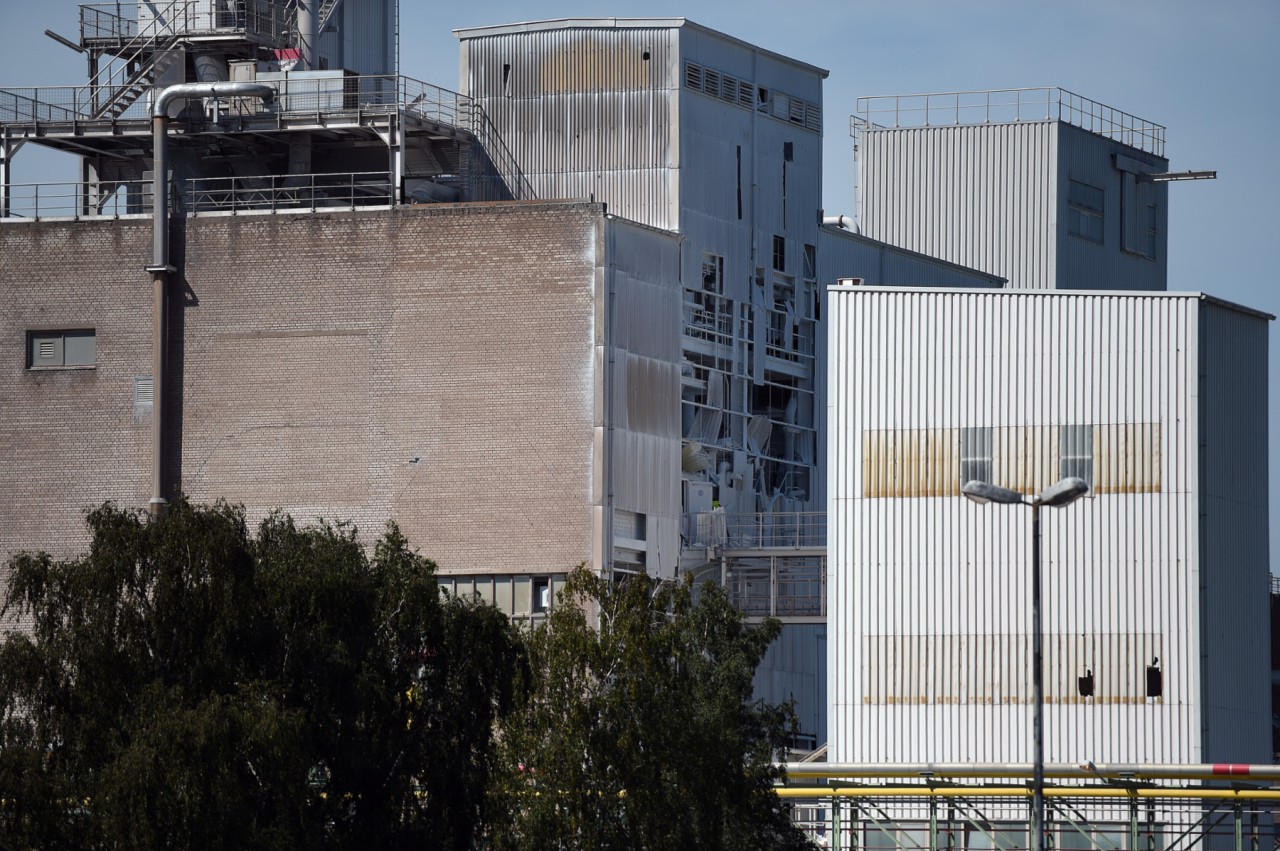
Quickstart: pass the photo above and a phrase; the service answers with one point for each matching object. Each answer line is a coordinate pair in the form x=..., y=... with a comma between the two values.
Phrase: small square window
x=60, y=349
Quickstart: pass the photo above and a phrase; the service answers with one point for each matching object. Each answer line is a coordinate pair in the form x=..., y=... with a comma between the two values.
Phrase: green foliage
x=186, y=686
x=641, y=733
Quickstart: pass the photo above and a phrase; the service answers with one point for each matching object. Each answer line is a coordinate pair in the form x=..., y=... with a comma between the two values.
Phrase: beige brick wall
x=432, y=365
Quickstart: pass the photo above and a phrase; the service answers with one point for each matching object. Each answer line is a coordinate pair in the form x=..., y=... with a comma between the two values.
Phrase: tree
x=640, y=732
x=184, y=685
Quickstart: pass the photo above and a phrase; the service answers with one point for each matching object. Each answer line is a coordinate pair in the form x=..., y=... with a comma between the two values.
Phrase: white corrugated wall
x=981, y=196
x=929, y=596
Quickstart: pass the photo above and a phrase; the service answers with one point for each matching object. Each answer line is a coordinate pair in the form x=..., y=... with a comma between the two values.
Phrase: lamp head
x=1063, y=493
x=984, y=492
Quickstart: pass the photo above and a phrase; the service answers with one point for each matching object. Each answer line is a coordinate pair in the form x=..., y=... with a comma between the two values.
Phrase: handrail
x=755, y=531
x=117, y=70
x=935, y=109
x=37, y=201
x=273, y=193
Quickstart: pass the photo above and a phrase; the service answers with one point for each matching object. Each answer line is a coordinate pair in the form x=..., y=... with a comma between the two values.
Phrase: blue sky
x=1208, y=71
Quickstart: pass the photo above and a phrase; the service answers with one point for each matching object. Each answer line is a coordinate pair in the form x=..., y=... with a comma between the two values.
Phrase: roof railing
x=1003, y=106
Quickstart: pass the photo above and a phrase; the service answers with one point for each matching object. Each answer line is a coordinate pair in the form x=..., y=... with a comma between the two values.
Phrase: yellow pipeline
x=979, y=792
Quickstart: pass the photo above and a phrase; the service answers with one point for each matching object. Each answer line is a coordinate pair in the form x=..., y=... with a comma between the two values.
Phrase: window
x=975, y=455
x=1084, y=211
x=1150, y=230
x=58, y=349
x=712, y=273
x=1075, y=452
x=541, y=594
x=810, y=261
x=780, y=254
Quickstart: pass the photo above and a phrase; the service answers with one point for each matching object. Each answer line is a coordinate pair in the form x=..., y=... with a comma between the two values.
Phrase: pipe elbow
x=846, y=222
x=191, y=91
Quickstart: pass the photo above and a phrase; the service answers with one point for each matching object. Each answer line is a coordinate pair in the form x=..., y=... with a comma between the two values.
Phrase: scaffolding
x=988, y=808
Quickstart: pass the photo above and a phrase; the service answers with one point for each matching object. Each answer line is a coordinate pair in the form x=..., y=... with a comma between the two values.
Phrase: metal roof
x=464, y=33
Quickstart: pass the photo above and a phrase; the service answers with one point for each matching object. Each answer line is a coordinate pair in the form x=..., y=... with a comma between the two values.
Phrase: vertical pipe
x=159, y=270
x=1037, y=676
x=1133, y=824
x=5, y=155
x=835, y=823
x=308, y=24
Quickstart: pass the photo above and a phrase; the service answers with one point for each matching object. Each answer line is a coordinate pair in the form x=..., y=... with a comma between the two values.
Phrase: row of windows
x=1075, y=453
x=1139, y=215
x=1112, y=458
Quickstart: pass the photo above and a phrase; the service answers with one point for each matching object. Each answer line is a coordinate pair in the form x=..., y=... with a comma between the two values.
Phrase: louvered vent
x=144, y=392
x=47, y=349
x=693, y=76
x=744, y=93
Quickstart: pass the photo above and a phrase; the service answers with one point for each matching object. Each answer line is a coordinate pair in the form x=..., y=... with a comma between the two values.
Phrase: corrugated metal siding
x=364, y=38
x=793, y=669
x=981, y=196
x=1087, y=265
x=944, y=571
x=898, y=463
x=585, y=114
x=644, y=379
x=1234, y=543
x=842, y=254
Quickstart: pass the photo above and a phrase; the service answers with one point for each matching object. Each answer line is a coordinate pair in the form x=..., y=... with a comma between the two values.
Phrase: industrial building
x=577, y=312
x=1160, y=569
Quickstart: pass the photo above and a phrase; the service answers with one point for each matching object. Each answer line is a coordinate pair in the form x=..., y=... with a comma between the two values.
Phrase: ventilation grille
x=744, y=93
x=144, y=392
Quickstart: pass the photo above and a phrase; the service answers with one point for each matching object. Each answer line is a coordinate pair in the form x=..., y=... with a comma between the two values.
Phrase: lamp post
x=1065, y=492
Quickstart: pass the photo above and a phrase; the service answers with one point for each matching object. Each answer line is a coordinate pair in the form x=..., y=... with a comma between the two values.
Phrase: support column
x=6, y=156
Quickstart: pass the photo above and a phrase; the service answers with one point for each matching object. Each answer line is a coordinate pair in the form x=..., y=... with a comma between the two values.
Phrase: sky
x=1208, y=71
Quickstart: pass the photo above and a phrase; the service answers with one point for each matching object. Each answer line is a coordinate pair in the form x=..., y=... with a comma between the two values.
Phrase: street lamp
x=1065, y=492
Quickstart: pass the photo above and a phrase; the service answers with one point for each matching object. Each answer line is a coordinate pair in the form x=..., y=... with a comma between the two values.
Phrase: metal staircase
x=327, y=10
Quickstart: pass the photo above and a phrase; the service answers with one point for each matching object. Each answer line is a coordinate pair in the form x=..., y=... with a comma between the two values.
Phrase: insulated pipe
x=1105, y=770
x=846, y=222
x=1006, y=792
x=160, y=267
x=308, y=33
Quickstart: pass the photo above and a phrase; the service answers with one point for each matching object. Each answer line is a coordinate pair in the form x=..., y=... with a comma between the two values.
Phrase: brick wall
x=432, y=365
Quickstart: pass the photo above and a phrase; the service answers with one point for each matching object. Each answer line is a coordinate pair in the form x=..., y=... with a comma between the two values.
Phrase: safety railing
x=709, y=317
x=499, y=158
x=37, y=105
x=274, y=193
x=36, y=201
x=932, y=812
x=307, y=96
x=780, y=530
x=777, y=586
x=121, y=23
x=1011, y=105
